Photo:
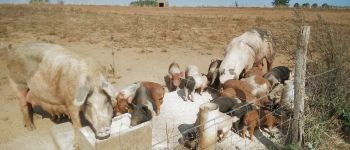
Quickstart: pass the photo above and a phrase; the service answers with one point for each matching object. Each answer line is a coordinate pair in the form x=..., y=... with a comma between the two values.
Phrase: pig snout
x=103, y=133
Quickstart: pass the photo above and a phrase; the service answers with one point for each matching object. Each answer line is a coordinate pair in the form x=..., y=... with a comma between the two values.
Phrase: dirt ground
x=145, y=41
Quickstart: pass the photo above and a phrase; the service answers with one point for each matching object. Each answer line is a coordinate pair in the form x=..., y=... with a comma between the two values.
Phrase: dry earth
x=145, y=41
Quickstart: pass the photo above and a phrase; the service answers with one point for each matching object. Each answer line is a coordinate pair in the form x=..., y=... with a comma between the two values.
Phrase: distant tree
x=306, y=5
x=279, y=3
x=38, y=1
x=314, y=5
x=144, y=3
x=296, y=5
x=325, y=5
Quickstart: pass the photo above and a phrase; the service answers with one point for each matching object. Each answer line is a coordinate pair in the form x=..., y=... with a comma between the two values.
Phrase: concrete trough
x=122, y=136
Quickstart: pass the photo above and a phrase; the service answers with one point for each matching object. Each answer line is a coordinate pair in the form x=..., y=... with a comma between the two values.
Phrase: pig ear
x=109, y=89
x=131, y=107
x=114, y=99
x=82, y=93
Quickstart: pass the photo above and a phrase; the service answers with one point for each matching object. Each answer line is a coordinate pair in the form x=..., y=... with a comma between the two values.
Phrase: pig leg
x=157, y=103
x=74, y=114
x=186, y=94
x=251, y=132
x=192, y=96
x=271, y=133
x=244, y=131
x=201, y=90
x=26, y=108
x=171, y=86
x=269, y=61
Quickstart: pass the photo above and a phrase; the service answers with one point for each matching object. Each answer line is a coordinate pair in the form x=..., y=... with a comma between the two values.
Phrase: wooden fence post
x=299, y=86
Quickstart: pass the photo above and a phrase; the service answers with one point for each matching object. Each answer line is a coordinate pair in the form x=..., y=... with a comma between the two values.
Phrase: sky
x=244, y=3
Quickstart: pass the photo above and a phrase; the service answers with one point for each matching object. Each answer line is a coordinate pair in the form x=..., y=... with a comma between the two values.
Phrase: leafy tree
x=38, y=1
x=306, y=5
x=296, y=5
x=144, y=3
x=325, y=5
x=314, y=5
x=279, y=3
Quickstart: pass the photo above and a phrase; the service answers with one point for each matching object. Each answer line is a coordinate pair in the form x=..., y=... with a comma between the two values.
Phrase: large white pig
x=243, y=51
x=61, y=82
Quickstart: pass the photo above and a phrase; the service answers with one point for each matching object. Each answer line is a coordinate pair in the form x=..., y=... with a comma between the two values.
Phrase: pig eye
x=232, y=71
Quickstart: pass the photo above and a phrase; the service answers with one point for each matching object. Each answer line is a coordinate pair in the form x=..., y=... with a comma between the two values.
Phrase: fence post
x=299, y=86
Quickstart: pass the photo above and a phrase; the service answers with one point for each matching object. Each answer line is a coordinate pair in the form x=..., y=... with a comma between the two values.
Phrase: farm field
x=145, y=41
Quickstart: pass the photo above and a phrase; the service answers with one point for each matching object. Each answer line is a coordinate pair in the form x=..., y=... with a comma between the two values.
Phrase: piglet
x=194, y=81
x=174, y=75
x=213, y=73
x=253, y=119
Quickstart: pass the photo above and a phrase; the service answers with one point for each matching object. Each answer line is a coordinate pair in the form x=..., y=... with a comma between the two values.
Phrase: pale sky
x=258, y=3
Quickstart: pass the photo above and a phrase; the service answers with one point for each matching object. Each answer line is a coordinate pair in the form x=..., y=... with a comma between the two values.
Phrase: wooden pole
x=299, y=86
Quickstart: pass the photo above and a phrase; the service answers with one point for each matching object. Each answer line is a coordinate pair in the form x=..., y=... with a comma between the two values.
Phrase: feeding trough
x=122, y=136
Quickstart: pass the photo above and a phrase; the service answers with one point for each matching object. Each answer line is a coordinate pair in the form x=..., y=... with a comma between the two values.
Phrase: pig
x=242, y=52
x=277, y=75
x=256, y=70
x=192, y=70
x=122, y=106
x=140, y=114
x=259, y=85
x=238, y=112
x=156, y=92
x=213, y=73
x=228, y=92
x=142, y=107
x=128, y=92
x=244, y=91
x=61, y=82
x=194, y=81
x=253, y=119
x=241, y=89
x=175, y=76
x=225, y=103
x=124, y=98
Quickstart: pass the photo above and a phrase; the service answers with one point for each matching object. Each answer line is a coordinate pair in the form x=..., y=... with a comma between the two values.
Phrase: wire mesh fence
x=263, y=139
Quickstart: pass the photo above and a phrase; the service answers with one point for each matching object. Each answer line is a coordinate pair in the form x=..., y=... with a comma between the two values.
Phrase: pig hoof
x=75, y=147
x=30, y=127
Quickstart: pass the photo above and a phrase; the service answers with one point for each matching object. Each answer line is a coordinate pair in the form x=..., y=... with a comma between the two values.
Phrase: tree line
x=285, y=3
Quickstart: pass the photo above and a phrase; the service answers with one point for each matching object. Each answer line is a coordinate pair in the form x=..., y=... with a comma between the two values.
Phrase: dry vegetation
x=206, y=30
x=202, y=29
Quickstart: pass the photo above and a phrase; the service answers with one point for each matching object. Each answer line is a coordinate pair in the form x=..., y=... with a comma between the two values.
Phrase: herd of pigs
x=66, y=84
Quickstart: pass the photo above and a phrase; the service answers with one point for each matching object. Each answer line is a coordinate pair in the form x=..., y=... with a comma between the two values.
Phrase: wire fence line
x=194, y=128
x=241, y=130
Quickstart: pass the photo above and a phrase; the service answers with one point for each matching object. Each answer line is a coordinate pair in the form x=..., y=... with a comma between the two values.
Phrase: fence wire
x=261, y=119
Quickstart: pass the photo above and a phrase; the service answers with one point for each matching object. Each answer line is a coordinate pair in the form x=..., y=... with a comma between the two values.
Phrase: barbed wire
x=233, y=110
